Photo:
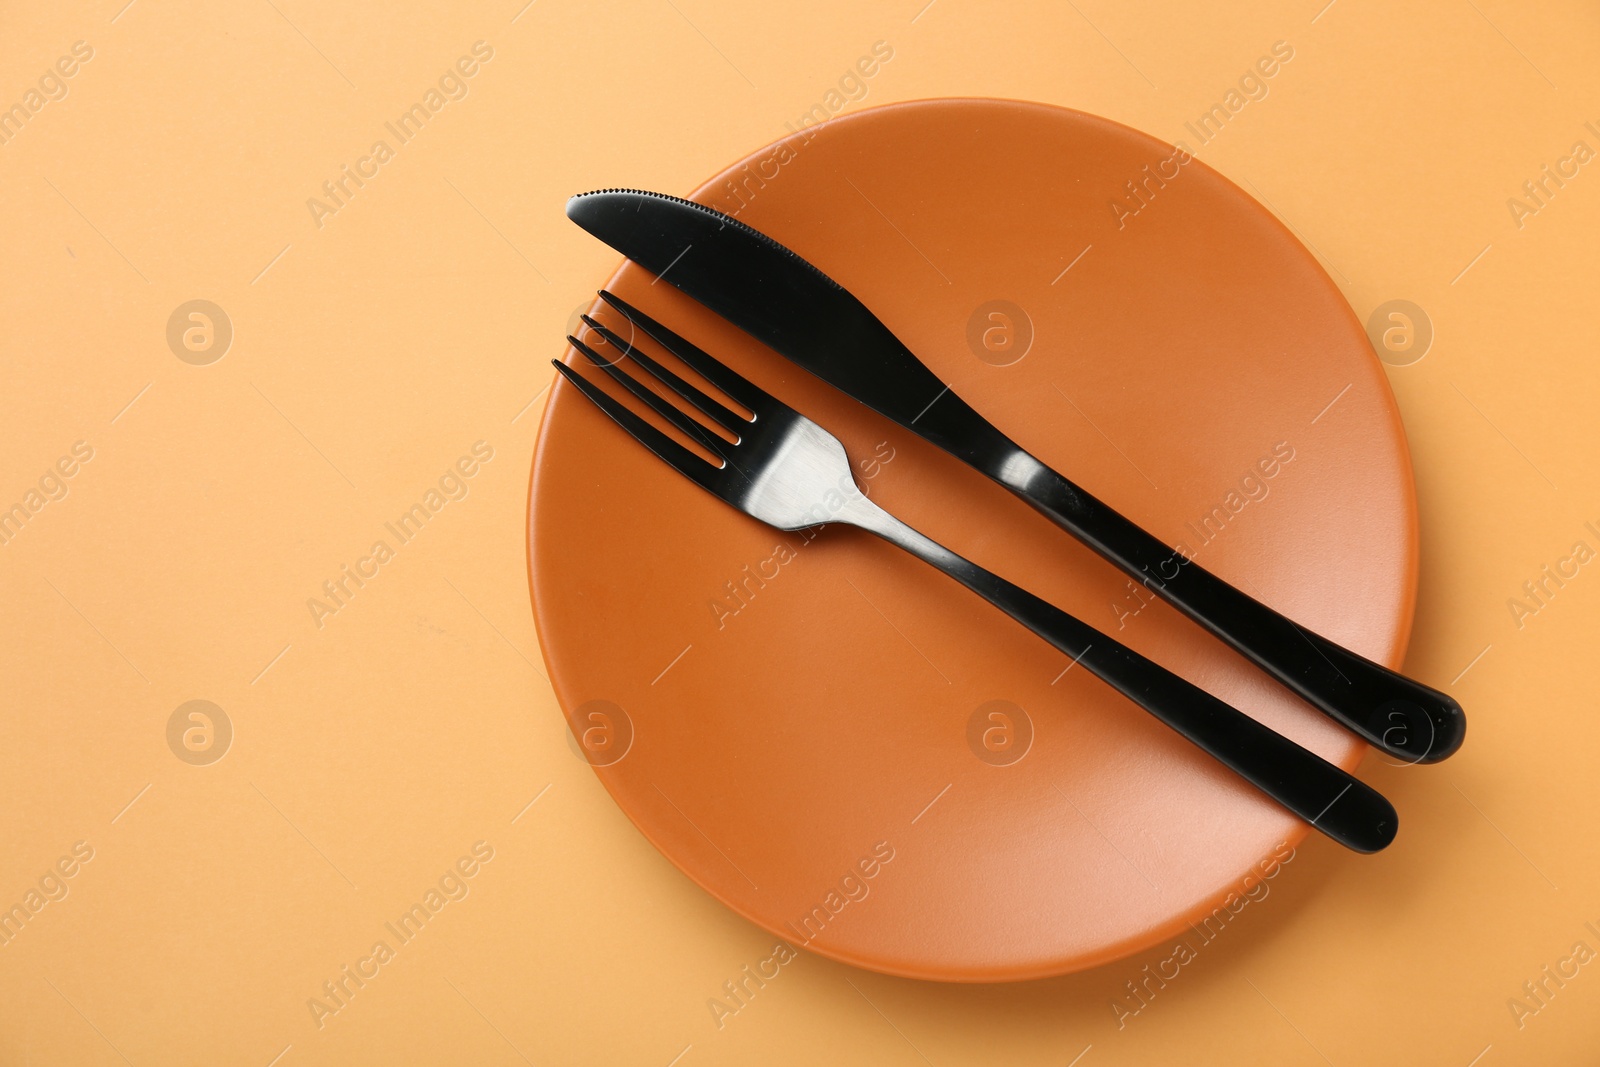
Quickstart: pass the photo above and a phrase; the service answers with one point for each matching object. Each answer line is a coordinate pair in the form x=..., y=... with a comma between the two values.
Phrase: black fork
x=785, y=470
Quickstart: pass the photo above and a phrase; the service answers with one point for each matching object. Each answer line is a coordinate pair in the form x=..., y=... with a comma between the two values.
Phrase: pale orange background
x=373, y=351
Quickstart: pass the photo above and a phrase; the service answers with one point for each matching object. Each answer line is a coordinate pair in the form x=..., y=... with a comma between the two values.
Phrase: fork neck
x=862, y=513
x=1067, y=634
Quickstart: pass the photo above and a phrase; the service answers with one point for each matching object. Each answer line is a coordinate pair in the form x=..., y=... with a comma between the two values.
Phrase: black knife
x=796, y=310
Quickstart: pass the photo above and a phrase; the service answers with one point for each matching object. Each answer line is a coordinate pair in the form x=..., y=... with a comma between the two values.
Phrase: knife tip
x=585, y=208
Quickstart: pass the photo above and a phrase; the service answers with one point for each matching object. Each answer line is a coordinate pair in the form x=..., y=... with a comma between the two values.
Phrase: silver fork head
x=780, y=467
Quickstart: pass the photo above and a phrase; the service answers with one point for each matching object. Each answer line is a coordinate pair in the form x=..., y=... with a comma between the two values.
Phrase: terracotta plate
x=849, y=749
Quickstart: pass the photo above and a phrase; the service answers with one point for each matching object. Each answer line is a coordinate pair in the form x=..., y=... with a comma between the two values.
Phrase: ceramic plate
x=850, y=750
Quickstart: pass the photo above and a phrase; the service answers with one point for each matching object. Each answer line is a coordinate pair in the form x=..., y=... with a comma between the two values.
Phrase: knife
x=795, y=309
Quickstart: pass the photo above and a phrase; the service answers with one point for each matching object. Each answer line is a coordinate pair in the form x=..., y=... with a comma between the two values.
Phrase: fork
x=788, y=472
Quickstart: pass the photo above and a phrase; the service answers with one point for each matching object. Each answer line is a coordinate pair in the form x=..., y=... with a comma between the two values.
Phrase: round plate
x=857, y=754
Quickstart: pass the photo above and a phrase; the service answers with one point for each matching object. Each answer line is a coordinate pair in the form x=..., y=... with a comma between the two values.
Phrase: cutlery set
x=790, y=473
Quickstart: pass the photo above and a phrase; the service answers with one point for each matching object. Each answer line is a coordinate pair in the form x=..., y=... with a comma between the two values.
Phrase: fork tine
x=665, y=408
x=719, y=375
x=676, y=456
x=732, y=421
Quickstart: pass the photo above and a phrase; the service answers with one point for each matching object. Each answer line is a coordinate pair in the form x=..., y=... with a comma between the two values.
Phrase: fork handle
x=1343, y=808
x=1403, y=717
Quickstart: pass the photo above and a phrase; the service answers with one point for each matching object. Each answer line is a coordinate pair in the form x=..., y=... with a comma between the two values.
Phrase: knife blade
x=795, y=309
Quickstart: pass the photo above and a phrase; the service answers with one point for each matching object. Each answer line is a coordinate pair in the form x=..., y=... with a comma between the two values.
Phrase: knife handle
x=1402, y=717
x=1331, y=800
